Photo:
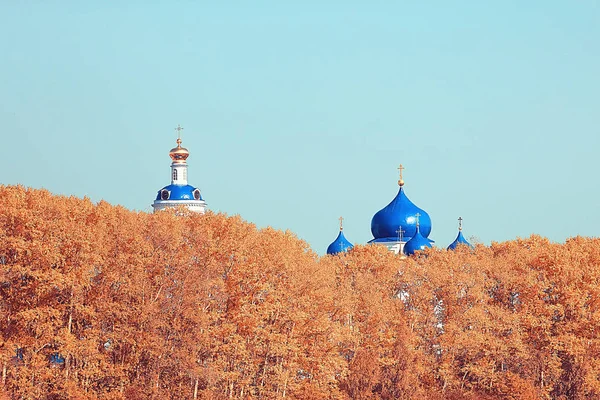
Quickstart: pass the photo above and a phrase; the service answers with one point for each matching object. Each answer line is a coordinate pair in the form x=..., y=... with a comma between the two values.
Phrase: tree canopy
x=100, y=302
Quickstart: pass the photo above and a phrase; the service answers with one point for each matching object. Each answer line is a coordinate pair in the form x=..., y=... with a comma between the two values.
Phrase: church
x=179, y=192
x=401, y=226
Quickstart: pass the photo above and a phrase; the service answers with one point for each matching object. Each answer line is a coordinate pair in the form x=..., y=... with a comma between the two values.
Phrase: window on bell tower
x=174, y=175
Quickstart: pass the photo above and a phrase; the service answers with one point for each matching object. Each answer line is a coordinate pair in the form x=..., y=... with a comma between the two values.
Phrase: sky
x=297, y=113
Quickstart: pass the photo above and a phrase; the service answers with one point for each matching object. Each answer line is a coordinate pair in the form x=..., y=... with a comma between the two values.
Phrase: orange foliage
x=99, y=302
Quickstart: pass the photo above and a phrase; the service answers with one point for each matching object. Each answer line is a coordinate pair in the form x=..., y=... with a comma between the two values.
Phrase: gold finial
x=341, y=223
x=179, y=154
x=460, y=220
x=400, y=181
x=417, y=215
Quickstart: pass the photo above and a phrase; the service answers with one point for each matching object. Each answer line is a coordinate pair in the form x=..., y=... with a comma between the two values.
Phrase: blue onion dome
x=400, y=214
x=416, y=243
x=179, y=192
x=340, y=244
x=57, y=359
x=460, y=239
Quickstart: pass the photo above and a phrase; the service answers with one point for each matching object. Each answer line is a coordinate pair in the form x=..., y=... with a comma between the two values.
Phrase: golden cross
x=460, y=223
x=417, y=215
x=341, y=223
x=179, y=129
x=400, y=181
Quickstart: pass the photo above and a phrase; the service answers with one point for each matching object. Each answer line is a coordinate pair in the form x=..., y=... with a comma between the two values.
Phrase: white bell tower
x=179, y=192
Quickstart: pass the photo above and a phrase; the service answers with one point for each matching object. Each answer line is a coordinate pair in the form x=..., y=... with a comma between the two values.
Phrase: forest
x=101, y=302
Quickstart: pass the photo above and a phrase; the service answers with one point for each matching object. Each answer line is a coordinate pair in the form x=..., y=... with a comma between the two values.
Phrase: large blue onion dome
x=400, y=214
x=340, y=244
x=416, y=243
x=460, y=239
x=179, y=192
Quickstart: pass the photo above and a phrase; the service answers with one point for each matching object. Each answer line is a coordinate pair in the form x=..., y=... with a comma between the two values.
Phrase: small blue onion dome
x=179, y=192
x=460, y=239
x=340, y=244
x=416, y=243
x=57, y=359
x=401, y=213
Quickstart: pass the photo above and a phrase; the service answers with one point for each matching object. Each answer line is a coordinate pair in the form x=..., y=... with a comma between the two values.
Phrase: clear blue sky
x=297, y=114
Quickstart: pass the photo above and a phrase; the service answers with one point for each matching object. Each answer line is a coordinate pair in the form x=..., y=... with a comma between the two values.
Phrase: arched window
x=174, y=174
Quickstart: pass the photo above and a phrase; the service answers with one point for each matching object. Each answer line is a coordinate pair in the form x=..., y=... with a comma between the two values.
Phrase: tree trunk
x=196, y=389
x=67, y=366
x=70, y=311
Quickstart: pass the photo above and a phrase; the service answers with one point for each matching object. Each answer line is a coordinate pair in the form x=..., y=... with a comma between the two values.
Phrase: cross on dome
x=400, y=180
x=341, y=223
x=179, y=154
x=400, y=233
x=417, y=215
x=179, y=129
x=460, y=220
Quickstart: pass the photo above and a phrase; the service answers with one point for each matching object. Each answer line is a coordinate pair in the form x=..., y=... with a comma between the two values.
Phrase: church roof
x=340, y=244
x=400, y=214
x=460, y=239
x=416, y=243
x=179, y=192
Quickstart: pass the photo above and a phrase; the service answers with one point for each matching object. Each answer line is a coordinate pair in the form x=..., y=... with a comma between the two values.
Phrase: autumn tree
x=100, y=302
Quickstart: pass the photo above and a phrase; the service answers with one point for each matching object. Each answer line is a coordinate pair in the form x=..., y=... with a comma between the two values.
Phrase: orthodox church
x=179, y=192
x=401, y=226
